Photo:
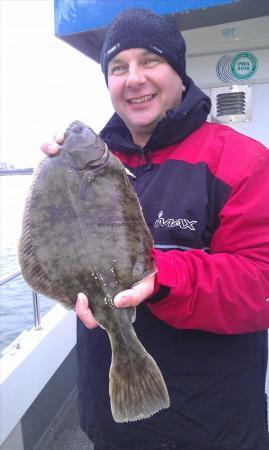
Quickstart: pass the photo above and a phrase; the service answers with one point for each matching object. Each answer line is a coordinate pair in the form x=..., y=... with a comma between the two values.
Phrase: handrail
x=24, y=171
x=36, y=302
x=12, y=276
x=9, y=277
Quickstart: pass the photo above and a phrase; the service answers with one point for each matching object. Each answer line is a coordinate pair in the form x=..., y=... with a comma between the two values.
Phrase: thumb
x=127, y=298
x=137, y=294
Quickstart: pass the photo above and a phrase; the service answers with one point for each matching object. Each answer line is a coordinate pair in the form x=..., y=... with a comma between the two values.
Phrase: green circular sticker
x=244, y=65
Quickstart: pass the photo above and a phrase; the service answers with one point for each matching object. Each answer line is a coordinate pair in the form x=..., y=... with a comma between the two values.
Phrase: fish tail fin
x=136, y=386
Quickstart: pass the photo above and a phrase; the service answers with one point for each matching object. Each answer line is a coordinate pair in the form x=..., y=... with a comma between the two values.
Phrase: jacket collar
x=175, y=126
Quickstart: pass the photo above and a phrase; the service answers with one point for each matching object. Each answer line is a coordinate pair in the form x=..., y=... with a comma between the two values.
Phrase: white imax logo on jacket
x=182, y=223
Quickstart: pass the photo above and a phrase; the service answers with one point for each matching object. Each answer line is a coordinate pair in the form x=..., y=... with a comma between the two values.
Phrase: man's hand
x=52, y=148
x=131, y=297
x=83, y=311
x=137, y=294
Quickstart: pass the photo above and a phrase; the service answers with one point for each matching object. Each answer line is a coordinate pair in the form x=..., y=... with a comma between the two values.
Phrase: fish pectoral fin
x=136, y=386
x=129, y=173
x=133, y=316
x=131, y=312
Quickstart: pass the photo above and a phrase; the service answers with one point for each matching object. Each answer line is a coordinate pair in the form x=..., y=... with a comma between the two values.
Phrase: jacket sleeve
x=225, y=290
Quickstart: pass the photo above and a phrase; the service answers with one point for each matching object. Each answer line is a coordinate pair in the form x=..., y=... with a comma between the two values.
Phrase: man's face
x=142, y=86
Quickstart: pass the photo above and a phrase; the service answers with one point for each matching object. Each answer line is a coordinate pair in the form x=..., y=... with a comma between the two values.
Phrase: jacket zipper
x=141, y=157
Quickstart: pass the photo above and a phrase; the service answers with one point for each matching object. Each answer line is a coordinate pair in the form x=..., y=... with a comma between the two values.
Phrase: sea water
x=16, y=303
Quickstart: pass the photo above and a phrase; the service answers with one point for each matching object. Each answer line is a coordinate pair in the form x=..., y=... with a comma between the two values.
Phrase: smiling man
x=204, y=190
x=143, y=87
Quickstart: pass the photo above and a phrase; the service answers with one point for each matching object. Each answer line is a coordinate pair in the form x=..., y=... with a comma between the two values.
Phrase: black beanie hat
x=141, y=28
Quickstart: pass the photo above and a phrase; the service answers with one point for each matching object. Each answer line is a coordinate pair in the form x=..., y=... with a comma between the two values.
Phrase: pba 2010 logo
x=241, y=66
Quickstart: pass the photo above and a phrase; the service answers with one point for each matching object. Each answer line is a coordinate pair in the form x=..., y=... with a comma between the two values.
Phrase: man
x=204, y=192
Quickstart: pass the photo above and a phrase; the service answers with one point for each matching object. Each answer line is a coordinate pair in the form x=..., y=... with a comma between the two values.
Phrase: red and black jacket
x=206, y=202
x=205, y=198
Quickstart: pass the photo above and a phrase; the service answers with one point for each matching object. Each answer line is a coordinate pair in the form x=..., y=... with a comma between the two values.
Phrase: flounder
x=83, y=231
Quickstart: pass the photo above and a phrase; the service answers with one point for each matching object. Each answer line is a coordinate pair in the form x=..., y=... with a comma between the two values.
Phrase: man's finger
x=83, y=311
x=59, y=138
x=50, y=149
x=127, y=298
x=137, y=294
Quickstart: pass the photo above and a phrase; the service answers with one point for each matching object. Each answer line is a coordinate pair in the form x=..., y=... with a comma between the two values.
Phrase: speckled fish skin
x=83, y=231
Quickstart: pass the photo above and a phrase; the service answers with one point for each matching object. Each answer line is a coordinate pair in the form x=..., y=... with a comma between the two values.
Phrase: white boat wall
x=37, y=377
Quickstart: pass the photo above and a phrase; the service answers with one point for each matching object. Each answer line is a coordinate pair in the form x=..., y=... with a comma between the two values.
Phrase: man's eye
x=152, y=61
x=118, y=69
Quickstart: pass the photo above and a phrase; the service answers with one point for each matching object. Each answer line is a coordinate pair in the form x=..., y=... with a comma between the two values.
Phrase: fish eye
x=77, y=129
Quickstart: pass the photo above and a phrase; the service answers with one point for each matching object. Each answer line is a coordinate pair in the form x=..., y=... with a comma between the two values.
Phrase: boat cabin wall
x=230, y=63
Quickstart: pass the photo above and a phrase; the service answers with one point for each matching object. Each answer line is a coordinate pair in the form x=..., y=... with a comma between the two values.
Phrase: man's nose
x=135, y=77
